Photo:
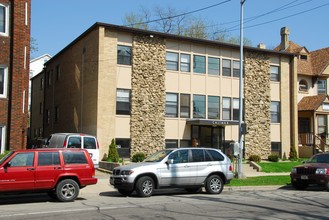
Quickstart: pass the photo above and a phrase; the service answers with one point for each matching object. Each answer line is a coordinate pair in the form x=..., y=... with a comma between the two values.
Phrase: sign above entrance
x=210, y=122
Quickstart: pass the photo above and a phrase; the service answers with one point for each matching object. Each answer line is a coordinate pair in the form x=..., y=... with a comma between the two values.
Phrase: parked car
x=75, y=140
x=60, y=172
x=313, y=171
x=189, y=168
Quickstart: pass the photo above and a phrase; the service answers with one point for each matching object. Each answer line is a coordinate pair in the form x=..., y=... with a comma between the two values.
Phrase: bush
x=113, y=155
x=255, y=158
x=293, y=154
x=273, y=158
x=284, y=158
x=138, y=157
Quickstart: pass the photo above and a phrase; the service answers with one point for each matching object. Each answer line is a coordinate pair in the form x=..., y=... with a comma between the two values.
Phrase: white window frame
x=3, y=139
x=5, y=82
x=6, y=33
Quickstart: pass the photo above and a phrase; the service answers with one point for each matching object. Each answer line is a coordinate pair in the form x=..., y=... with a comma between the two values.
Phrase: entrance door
x=209, y=136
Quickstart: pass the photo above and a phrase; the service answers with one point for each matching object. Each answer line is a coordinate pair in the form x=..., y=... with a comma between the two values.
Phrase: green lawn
x=278, y=167
x=261, y=181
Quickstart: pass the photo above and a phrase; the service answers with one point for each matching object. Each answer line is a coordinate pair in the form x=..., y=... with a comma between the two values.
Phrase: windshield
x=6, y=156
x=321, y=158
x=158, y=156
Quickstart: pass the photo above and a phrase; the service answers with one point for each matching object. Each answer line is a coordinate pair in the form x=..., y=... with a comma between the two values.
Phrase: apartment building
x=151, y=90
x=313, y=102
x=14, y=72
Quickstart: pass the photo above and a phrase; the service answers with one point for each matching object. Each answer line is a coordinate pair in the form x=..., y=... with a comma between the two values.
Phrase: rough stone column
x=147, y=124
x=257, y=105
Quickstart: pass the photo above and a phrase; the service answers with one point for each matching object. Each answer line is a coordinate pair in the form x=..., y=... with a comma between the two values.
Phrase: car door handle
x=57, y=168
x=30, y=168
x=186, y=166
x=209, y=164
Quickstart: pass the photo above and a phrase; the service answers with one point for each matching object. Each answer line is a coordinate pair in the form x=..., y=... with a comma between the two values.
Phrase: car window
x=48, y=158
x=216, y=156
x=321, y=158
x=180, y=156
x=74, y=142
x=74, y=158
x=89, y=143
x=22, y=159
x=157, y=156
x=197, y=155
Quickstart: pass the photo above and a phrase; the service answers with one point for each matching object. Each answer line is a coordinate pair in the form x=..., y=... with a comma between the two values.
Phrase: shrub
x=284, y=158
x=255, y=158
x=138, y=157
x=293, y=154
x=273, y=158
x=113, y=154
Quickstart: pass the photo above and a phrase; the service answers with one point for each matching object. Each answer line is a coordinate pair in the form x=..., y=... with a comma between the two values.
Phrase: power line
x=179, y=15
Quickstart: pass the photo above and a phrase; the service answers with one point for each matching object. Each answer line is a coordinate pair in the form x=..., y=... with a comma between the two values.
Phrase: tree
x=113, y=152
x=169, y=20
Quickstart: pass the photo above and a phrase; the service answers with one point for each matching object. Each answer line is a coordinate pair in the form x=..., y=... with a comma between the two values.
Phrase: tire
x=299, y=185
x=214, y=184
x=67, y=190
x=194, y=189
x=125, y=192
x=145, y=186
x=327, y=186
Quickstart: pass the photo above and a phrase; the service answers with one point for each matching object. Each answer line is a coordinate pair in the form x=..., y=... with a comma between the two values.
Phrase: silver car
x=189, y=168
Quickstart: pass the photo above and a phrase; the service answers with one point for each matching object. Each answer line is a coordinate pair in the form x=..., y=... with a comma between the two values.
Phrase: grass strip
x=261, y=181
x=277, y=167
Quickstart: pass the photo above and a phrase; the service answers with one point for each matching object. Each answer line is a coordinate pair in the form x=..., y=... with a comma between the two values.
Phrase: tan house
x=151, y=90
x=313, y=103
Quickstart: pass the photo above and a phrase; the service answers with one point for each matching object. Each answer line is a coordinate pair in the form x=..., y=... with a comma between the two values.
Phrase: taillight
x=231, y=168
x=94, y=172
x=97, y=144
x=65, y=144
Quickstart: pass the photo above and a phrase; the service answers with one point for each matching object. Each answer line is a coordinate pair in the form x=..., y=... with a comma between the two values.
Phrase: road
x=101, y=201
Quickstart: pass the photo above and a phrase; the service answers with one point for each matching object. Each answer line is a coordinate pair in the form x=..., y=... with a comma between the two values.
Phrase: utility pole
x=241, y=93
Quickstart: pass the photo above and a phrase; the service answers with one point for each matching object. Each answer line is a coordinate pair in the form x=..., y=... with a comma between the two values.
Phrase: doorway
x=209, y=136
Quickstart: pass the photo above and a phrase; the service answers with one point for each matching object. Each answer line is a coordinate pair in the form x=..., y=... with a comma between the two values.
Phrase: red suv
x=60, y=172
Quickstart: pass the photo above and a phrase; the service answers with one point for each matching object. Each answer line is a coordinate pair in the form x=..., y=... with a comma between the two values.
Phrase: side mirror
x=7, y=165
x=170, y=161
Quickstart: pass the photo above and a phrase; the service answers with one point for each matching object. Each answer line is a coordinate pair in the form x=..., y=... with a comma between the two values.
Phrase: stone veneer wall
x=148, y=95
x=257, y=105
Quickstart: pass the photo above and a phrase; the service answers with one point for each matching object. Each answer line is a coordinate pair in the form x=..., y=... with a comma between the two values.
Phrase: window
x=74, y=158
x=171, y=143
x=172, y=61
x=58, y=72
x=172, y=105
x=275, y=112
x=41, y=83
x=275, y=73
x=48, y=116
x=213, y=66
x=41, y=108
x=185, y=63
x=4, y=20
x=123, y=147
x=124, y=55
x=322, y=87
x=322, y=125
x=236, y=68
x=3, y=82
x=226, y=109
x=236, y=109
x=180, y=156
x=276, y=147
x=48, y=158
x=89, y=143
x=2, y=138
x=215, y=155
x=56, y=113
x=49, y=76
x=197, y=155
x=199, y=106
x=22, y=160
x=184, y=105
x=303, y=57
x=185, y=143
x=123, y=102
x=213, y=107
x=74, y=142
x=199, y=64
x=226, y=69
x=303, y=87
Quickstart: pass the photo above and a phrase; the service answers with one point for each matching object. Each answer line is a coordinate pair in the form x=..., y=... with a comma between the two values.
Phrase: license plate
x=304, y=177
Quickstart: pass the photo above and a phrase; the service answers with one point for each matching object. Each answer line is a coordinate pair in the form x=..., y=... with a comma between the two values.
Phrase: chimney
x=284, y=38
x=261, y=46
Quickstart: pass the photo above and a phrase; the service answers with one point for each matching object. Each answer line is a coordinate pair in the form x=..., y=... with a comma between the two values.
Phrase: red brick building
x=14, y=72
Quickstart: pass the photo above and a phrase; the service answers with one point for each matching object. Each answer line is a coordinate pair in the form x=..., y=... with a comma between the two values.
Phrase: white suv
x=189, y=168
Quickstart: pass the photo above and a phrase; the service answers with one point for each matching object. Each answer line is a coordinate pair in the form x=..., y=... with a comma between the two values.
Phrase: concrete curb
x=256, y=188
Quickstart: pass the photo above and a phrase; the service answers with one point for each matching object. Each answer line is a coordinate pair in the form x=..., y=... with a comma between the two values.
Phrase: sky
x=56, y=23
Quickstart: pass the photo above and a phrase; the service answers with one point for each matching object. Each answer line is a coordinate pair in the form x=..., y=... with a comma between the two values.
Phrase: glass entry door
x=208, y=136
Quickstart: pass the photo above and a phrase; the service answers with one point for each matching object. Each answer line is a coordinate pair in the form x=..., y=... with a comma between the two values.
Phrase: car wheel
x=214, y=184
x=299, y=185
x=145, y=186
x=194, y=190
x=327, y=186
x=67, y=190
x=125, y=192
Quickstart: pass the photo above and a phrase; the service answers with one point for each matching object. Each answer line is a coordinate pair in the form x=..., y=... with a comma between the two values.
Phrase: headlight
x=321, y=171
x=294, y=170
x=126, y=172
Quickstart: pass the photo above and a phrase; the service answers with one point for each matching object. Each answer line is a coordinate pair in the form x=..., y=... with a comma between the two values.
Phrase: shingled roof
x=311, y=103
x=316, y=62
